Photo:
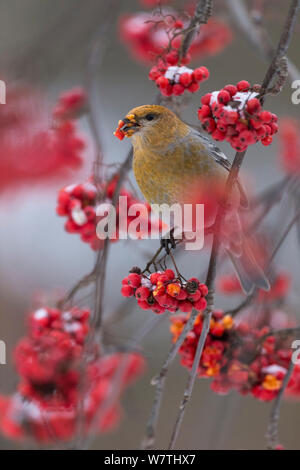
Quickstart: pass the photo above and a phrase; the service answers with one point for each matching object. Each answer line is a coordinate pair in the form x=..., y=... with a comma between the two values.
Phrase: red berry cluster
x=163, y=291
x=30, y=149
x=290, y=145
x=235, y=114
x=236, y=355
x=149, y=37
x=172, y=79
x=48, y=361
x=280, y=287
x=79, y=204
x=70, y=104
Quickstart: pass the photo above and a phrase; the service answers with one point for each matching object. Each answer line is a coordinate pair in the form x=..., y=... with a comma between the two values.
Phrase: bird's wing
x=213, y=150
x=221, y=159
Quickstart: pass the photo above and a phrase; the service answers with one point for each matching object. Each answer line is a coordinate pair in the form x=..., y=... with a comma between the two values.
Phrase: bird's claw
x=168, y=243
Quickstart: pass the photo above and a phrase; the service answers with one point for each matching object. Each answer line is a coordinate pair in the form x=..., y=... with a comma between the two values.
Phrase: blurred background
x=46, y=45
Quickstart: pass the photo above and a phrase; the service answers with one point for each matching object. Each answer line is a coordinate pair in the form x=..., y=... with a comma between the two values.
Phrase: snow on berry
x=162, y=290
x=235, y=114
x=48, y=397
x=175, y=79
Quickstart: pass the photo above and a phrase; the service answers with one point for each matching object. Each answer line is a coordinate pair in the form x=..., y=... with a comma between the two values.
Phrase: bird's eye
x=150, y=117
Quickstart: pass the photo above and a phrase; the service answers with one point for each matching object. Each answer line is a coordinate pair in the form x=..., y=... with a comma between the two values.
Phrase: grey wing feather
x=220, y=158
x=214, y=151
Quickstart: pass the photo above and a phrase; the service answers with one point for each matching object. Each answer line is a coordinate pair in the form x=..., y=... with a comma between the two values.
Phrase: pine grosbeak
x=174, y=163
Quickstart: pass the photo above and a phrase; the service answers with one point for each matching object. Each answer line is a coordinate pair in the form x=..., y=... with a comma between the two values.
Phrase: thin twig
x=159, y=382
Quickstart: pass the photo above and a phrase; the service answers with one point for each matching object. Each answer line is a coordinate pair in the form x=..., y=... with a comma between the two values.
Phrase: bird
x=171, y=159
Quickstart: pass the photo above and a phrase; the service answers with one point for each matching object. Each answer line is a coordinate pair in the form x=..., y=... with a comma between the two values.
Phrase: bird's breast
x=167, y=175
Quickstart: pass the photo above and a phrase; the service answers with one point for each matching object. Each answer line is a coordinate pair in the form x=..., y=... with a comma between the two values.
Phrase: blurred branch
x=257, y=35
x=272, y=432
x=256, y=291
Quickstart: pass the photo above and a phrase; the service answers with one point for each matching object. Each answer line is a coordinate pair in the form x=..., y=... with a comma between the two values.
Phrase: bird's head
x=148, y=121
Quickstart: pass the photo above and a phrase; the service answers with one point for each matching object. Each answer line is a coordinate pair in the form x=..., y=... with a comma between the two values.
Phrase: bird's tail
x=238, y=246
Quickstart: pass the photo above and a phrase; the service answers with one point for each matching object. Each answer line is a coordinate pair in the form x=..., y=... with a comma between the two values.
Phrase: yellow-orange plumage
x=169, y=156
x=171, y=160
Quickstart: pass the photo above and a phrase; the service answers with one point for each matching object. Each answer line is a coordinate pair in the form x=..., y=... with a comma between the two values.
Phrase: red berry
x=185, y=306
x=170, y=274
x=232, y=89
x=154, y=73
x=172, y=58
x=204, y=112
x=206, y=99
x=209, y=125
x=162, y=82
x=158, y=309
x=143, y=305
x=182, y=294
x=243, y=85
x=218, y=135
x=142, y=293
x=168, y=91
x=224, y=97
x=201, y=74
x=127, y=291
x=178, y=89
x=154, y=277
x=267, y=141
x=134, y=280
x=163, y=278
x=256, y=123
x=231, y=117
x=185, y=79
x=253, y=106
x=194, y=297
x=266, y=117
x=178, y=24
x=200, y=304
x=193, y=87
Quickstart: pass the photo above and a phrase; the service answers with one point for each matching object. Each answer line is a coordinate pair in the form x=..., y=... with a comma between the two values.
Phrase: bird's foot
x=169, y=243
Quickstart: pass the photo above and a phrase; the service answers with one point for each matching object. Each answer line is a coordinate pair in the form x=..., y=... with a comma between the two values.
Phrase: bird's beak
x=130, y=125
x=127, y=127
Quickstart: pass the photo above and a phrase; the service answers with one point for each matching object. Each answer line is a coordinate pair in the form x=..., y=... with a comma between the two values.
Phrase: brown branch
x=201, y=16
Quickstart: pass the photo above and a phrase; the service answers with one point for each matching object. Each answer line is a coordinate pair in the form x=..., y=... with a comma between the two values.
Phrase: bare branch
x=256, y=35
x=202, y=14
x=272, y=432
